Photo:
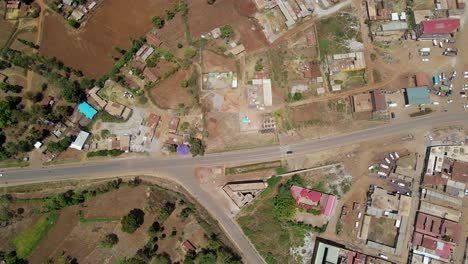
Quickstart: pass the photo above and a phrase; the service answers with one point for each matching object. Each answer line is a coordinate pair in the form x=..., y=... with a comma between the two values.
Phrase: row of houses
x=292, y=10
x=388, y=23
x=437, y=228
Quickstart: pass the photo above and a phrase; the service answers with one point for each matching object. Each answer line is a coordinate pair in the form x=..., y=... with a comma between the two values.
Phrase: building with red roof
x=432, y=247
x=309, y=199
x=428, y=224
x=150, y=74
x=422, y=79
x=187, y=246
x=437, y=28
x=152, y=39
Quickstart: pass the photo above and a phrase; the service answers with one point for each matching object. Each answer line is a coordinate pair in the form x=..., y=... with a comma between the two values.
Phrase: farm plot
x=75, y=229
x=322, y=113
x=113, y=24
x=169, y=94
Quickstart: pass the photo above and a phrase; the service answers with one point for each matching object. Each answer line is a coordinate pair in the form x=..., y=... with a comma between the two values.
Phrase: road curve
x=181, y=169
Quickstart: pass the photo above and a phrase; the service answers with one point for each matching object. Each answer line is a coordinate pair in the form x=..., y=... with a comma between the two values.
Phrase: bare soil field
x=112, y=24
x=213, y=62
x=224, y=134
x=322, y=113
x=169, y=93
x=234, y=12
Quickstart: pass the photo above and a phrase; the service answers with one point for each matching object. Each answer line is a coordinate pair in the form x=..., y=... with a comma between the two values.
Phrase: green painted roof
x=418, y=95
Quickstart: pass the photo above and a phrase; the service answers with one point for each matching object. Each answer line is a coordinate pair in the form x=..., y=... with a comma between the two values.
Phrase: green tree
x=169, y=14
x=297, y=96
x=196, y=147
x=157, y=22
x=109, y=240
x=210, y=2
x=227, y=31
x=132, y=221
x=6, y=114
x=73, y=23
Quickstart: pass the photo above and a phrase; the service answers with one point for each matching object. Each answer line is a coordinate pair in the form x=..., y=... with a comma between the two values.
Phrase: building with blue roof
x=87, y=110
x=418, y=95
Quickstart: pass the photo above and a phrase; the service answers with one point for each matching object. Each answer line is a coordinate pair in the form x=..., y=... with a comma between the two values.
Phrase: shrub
x=227, y=31
x=210, y=2
x=73, y=23
x=132, y=221
x=166, y=211
x=109, y=240
x=189, y=53
x=157, y=22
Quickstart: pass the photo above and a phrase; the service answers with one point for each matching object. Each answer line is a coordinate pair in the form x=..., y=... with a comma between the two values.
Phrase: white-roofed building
x=92, y=5
x=77, y=15
x=80, y=140
x=267, y=94
x=68, y=2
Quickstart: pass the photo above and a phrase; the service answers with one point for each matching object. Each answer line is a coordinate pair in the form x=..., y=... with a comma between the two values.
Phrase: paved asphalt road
x=181, y=169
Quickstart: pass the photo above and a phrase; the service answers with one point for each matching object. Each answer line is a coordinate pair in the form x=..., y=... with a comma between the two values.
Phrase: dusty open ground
x=169, y=94
x=87, y=49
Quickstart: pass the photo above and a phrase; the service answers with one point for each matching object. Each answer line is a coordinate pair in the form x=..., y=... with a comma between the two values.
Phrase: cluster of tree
x=11, y=113
x=5, y=212
x=11, y=258
x=61, y=145
x=4, y=64
x=28, y=43
x=158, y=22
x=196, y=146
x=227, y=31
x=114, y=73
x=11, y=88
x=210, y=2
x=285, y=205
x=50, y=69
x=132, y=221
x=166, y=210
x=105, y=152
x=215, y=252
x=70, y=197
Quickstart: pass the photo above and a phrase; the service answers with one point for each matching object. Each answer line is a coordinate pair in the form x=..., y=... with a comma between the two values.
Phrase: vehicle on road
x=450, y=101
x=465, y=106
x=465, y=88
x=450, y=54
x=425, y=50
x=289, y=152
x=425, y=53
x=451, y=50
x=451, y=41
x=425, y=60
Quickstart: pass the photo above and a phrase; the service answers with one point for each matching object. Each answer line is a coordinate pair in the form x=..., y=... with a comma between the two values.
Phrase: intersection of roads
x=181, y=169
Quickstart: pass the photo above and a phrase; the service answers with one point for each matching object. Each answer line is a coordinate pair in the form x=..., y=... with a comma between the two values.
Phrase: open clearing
x=169, y=94
x=87, y=49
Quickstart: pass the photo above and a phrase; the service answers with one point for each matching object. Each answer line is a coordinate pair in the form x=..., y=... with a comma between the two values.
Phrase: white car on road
x=465, y=106
x=425, y=60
